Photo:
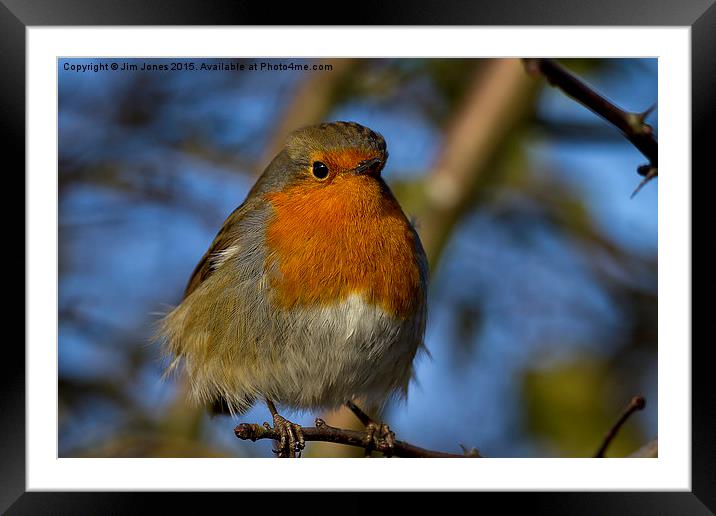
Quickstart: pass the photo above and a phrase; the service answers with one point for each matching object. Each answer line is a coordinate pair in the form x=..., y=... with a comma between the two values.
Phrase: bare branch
x=323, y=432
x=636, y=403
x=632, y=125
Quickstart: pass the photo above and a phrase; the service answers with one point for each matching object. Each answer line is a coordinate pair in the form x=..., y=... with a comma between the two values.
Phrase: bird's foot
x=379, y=436
x=291, y=441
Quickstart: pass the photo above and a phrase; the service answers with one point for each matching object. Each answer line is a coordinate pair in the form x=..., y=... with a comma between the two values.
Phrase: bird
x=312, y=295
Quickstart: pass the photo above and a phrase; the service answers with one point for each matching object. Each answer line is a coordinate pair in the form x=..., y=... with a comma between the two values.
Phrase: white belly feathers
x=368, y=350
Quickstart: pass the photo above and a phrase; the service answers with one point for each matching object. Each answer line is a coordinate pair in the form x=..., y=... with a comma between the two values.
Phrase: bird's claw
x=291, y=441
x=379, y=436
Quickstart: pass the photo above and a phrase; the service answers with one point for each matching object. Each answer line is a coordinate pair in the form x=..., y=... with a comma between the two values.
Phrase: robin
x=313, y=293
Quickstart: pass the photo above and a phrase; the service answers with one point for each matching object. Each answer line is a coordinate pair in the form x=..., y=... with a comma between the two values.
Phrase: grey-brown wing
x=225, y=238
x=228, y=234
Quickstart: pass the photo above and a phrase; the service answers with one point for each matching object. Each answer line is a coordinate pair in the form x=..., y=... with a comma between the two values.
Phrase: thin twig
x=362, y=416
x=632, y=125
x=636, y=403
x=370, y=425
x=325, y=433
x=651, y=173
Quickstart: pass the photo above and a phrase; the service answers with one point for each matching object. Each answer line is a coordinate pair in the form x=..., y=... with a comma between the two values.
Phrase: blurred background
x=543, y=298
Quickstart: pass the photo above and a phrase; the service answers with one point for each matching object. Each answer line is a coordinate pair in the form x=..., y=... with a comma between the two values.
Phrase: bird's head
x=335, y=151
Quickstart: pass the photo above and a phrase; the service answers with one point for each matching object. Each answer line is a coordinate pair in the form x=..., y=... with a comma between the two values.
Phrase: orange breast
x=328, y=242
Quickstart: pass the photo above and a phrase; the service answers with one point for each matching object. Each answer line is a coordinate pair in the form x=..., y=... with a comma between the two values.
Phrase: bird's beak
x=370, y=167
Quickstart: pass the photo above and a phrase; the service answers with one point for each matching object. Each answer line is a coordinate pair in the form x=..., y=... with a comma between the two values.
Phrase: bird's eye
x=320, y=170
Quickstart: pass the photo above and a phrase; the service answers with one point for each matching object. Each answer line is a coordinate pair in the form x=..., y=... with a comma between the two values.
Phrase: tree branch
x=323, y=432
x=632, y=125
x=636, y=403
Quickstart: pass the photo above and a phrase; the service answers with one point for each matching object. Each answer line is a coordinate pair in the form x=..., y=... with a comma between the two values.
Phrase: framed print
x=425, y=251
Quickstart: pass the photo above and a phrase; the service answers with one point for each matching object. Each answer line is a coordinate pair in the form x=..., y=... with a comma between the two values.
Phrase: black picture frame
x=17, y=15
